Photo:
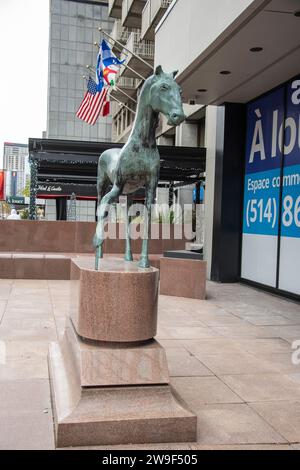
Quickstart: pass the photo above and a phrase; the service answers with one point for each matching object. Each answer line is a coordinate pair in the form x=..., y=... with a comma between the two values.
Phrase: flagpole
x=124, y=47
x=125, y=94
x=127, y=67
x=112, y=97
x=122, y=104
x=116, y=87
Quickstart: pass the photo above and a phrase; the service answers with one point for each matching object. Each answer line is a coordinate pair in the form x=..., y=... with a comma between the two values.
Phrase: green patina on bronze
x=137, y=164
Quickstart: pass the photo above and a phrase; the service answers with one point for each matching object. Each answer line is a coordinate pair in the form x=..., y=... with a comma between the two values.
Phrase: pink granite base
x=101, y=364
x=88, y=412
x=109, y=378
x=183, y=278
x=117, y=303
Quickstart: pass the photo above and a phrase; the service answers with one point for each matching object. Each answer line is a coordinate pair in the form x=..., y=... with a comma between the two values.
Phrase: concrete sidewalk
x=230, y=358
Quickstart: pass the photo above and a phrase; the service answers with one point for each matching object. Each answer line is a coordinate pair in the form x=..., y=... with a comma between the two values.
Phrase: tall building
x=73, y=31
x=15, y=164
x=134, y=26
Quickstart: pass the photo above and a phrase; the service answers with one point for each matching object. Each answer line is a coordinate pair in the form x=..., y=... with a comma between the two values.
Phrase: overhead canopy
x=66, y=166
x=237, y=50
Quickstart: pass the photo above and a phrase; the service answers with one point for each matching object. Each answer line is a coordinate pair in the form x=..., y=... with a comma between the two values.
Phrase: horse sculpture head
x=165, y=96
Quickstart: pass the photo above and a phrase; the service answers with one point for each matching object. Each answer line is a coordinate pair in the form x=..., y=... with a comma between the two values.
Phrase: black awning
x=74, y=164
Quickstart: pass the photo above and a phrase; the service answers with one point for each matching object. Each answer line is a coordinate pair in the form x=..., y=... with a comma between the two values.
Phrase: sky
x=24, y=34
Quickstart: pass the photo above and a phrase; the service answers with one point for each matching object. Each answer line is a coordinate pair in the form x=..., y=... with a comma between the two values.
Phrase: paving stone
x=26, y=313
x=234, y=424
x=263, y=387
x=291, y=332
x=24, y=369
x=24, y=396
x=280, y=363
x=263, y=346
x=187, y=332
x=213, y=346
x=284, y=417
x=26, y=431
x=227, y=364
x=181, y=363
x=16, y=350
x=246, y=330
x=272, y=320
x=197, y=391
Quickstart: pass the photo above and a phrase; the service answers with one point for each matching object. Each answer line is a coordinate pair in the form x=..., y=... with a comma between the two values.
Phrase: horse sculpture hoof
x=144, y=263
x=128, y=258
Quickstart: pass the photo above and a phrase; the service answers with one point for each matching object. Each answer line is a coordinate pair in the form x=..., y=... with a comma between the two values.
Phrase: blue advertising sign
x=263, y=164
x=290, y=226
x=273, y=171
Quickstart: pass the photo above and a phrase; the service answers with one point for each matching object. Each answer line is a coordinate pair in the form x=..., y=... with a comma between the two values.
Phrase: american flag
x=94, y=103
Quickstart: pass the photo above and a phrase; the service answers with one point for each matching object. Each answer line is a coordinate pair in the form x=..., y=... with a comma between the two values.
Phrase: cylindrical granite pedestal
x=117, y=303
x=109, y=377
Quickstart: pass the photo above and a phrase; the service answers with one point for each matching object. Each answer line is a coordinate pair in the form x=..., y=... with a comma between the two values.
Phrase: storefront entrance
x=271, y=214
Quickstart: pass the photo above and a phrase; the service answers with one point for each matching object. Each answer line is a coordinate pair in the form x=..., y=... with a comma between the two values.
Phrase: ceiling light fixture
x=225, y=72
x=297, y=14
x=256, y=49
x=202, y=90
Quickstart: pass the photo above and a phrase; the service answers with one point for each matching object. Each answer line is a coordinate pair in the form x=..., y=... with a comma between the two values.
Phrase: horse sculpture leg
x=102, y=209
x=144, y=260
x=101, y=189
x=128, y=253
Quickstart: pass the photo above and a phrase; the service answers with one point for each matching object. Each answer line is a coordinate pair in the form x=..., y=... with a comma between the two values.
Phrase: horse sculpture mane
x=137, y=164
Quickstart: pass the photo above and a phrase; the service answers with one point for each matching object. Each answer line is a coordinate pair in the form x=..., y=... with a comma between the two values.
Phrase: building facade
x=134, y=31
x=240, y=61
x=15, y=165
x=73, y=31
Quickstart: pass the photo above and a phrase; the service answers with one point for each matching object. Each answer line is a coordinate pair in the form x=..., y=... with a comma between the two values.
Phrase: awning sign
x=49, y=188
x=15, y=200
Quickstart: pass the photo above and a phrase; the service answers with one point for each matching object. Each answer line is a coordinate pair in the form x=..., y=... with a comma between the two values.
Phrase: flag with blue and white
x=108, y=57
x=109, y=64
x=99, y=72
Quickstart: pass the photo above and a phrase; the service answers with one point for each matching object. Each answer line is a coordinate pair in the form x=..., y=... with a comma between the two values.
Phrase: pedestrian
x=14, y=215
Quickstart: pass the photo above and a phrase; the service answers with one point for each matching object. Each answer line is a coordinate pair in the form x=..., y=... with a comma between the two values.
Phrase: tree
x=26, y=190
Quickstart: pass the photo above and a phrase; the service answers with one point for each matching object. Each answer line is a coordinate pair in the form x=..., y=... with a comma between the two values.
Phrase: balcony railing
x=121, y=33
x=115, y=8
x=152, y=14
x=137, y=68
x=126, y=82
x=132, y=13
x=144, y=48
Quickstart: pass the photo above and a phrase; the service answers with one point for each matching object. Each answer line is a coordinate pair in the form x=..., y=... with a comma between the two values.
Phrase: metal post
x=126, y=67
x=122, y=104
x=125, y=94
x=85, y=78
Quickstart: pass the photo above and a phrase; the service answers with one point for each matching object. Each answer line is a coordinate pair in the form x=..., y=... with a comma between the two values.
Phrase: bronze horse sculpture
x=137, y=164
